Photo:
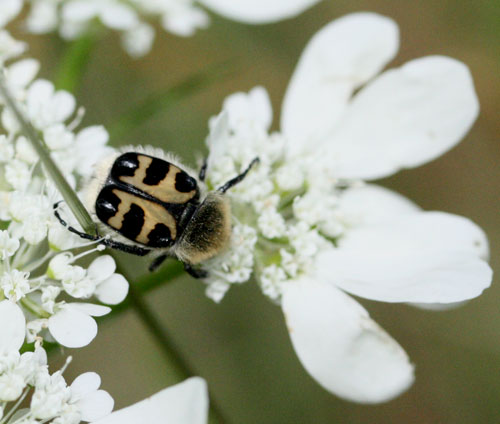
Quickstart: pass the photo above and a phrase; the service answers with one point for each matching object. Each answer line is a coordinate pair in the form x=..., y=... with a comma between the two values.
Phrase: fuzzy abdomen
x=208, y=231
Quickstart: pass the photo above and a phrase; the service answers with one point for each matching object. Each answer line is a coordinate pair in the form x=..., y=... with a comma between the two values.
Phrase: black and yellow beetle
x=149, y=203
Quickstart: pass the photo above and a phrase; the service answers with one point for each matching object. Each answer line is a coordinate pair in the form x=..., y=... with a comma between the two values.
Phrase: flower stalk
x=178, y=365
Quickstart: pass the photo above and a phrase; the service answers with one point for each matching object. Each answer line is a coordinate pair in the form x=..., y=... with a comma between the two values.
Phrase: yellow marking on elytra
x=165, y=190
x=153, y=214
x=124, y=206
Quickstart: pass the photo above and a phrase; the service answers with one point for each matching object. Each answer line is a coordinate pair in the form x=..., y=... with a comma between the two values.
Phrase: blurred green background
x=241, y=346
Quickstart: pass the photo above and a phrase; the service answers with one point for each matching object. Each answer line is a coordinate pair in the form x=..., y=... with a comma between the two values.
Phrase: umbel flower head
x=26, y=376
x=73, y=18
x=311, y=230
x=36, y=265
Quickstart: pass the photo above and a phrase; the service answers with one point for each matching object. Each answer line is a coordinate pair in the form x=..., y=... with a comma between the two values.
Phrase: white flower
x=76, y=283
x=111, y=288
x=15, y=284
x=138, y=40
x=12, y=335
x=90, y=146
x=6, y=149
x=181, y=17
x=50, y=395
x=24, y=151
x=42, y=16
x=47, y=107
x=86, y=401
x=258, y=11
x=184, y=403
x=9, y=47
x=236, y=264
x=9, y=10
x=57, y=137
x=73, y=326
x=341, y=235
x=26, y=204
x=8, y=245
x=271, y=223
x=17, y=174
x=18, y=75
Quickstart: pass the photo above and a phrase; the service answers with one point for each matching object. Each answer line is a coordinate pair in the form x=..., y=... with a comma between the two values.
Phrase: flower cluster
x=26, y=376
x=25, y=379
x=72, y=18
x=308, y=226
x=36, y=268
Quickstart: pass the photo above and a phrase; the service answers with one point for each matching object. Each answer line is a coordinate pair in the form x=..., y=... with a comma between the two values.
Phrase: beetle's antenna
x=232, y=182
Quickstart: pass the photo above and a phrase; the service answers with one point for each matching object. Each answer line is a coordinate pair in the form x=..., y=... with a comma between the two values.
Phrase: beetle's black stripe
x=156, y=172
x=184, y=183
x=160, y=236
x=132, y=222
x=125, y=165
x=106, y=204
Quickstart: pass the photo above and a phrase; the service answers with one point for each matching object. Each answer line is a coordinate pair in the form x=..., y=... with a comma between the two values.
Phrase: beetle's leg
x=86, y=236
x=157, y=262
x=127, y=248
x=203, y=170
x=135, y=250
x=232, y=182
x=195, y=272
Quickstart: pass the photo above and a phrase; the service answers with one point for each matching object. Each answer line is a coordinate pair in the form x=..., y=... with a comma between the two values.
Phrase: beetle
x=149, y=202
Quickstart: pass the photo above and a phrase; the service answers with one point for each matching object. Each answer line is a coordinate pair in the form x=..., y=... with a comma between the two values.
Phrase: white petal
x=96, y=405
x=91, y=147
x=341, y=347
x=12, y=327
x=338, y=59
x=258, y=11
x=93, y=136
x=85, y=384
x=72, y=328
x=22, y=72
x=428, y=257
x=371, y=204
x=184, y=403
x=113, y=290
x=404, y=118
x=63, y=104
x=79, y=11
x=254, y=106
x=138, y=40
x=39, y=94
x=102, y=267
x=118, y=16
x=42, y=17
x=90, y=309
x=184, y=21
x=9, y=10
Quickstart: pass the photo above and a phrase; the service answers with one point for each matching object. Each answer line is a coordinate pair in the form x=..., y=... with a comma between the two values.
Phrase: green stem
x=55, y=174
x=179, y=366
x=74, y=62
